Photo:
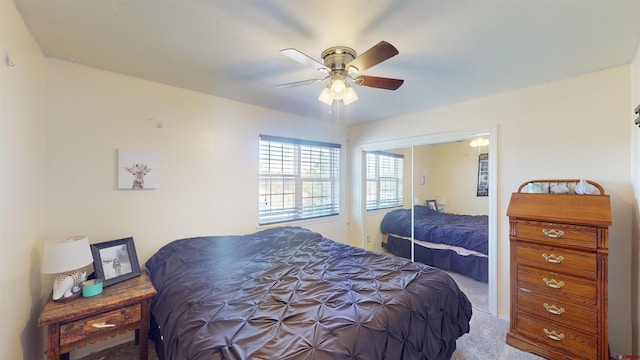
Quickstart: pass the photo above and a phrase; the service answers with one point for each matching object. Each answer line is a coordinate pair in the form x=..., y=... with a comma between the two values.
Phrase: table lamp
x=64, y=257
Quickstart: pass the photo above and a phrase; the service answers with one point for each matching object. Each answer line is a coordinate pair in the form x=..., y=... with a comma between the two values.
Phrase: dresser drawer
x=556, y=259
x=101, y=323
x=558, y=285
x=558, y=310
x=576, y=236
x=558, y=336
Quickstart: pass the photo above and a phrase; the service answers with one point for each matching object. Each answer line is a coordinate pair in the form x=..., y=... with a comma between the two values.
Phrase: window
x=384, y=180
x=299, y=179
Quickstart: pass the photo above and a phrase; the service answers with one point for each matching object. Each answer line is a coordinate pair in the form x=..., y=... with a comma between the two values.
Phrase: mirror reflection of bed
x=448, y=174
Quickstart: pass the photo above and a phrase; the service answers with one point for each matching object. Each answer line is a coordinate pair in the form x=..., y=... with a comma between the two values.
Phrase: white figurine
x=68, y=284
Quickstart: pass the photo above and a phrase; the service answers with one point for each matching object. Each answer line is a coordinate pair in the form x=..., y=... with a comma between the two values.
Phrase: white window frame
x=298, y=179
x=378, y=180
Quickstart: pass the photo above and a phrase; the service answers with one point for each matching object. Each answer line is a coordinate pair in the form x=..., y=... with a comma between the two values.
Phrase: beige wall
x=578, y=127
x=635, y=176
x=21, y=186
x=207, y=159
x=207, y=151
x=451, y=171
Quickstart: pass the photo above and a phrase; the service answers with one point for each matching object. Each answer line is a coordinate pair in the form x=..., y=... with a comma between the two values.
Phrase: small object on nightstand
x=91, y=287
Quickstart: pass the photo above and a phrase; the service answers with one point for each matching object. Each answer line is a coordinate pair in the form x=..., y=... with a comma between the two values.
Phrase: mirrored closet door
x=431, y=203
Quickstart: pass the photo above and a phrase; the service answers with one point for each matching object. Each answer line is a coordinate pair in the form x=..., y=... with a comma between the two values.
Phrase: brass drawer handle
x=553, y=309
x=553, y=283
x=553, y=258
x=553, y=233
x=553, y=335
x=102, y=325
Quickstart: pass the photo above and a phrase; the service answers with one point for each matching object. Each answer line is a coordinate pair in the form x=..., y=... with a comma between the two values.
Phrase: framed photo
x=137, y=169
x=115, y=261
x=432, y=204
x=483, y=175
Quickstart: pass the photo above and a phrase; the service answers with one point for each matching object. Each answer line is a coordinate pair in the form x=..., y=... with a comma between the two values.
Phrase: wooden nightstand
x=119, y=308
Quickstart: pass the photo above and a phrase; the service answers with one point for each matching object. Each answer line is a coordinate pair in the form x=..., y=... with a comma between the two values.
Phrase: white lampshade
x=338, y=88
x=325, y=96
x=349, y=96
x=62, y=255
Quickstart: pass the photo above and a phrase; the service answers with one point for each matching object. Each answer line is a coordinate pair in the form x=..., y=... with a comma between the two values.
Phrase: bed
x=449, y=242
x=289, y=293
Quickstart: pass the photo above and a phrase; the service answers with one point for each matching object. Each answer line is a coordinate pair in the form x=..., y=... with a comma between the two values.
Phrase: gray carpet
x=486, y=340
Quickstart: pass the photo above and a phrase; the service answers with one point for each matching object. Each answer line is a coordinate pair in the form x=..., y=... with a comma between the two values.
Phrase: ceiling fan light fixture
x=325, y=96
x=338, y=87
x=349, y=96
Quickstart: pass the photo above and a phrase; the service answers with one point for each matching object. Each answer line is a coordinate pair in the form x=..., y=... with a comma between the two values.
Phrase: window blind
x=299, y=179
x=384, y=180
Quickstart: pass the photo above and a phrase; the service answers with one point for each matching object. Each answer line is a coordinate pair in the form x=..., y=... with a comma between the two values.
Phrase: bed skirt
x=475, y=267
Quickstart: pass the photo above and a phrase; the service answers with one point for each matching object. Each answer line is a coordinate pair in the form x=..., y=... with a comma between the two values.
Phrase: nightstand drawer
x=558, y=259
x=105, y=322
x=557, y=234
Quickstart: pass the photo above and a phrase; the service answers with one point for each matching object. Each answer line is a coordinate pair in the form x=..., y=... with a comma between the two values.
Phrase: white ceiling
x=450, y=51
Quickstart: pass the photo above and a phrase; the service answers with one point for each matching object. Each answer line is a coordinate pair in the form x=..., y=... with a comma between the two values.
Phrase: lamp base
x=68, y=284
x=71, y=297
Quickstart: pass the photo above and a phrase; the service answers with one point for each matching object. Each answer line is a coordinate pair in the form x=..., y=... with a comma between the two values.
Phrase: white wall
x=452, y=172
x=578, y=127
x=207, y=154
x=21, y=186
x=635, y=176
x=207, y=151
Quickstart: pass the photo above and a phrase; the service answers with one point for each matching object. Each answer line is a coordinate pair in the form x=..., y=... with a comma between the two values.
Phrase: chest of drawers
x=559, y=258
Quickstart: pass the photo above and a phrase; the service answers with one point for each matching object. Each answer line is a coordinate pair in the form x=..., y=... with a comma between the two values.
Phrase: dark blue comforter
x=289, y=293
x=466, y=231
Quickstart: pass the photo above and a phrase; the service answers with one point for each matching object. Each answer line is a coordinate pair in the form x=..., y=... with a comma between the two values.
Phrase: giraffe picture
x=137, y=169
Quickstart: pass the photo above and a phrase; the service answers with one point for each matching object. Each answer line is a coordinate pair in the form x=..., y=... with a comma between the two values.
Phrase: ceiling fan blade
x=303, y=59
x=377, y=54
x=303, y=82
x=378, y=82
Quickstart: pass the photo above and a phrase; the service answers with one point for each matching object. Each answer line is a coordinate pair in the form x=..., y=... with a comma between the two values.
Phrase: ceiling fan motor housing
x=337, y=57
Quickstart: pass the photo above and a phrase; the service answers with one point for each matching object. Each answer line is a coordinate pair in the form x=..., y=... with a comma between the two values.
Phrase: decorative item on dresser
x=559, y=257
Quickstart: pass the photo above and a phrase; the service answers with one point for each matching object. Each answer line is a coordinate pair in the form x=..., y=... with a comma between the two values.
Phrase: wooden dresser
x=559, y=251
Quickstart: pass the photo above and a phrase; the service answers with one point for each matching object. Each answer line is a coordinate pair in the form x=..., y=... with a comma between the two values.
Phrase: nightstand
x=119, y=308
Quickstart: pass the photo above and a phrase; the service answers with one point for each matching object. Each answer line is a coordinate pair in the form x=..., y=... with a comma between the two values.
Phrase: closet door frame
x=490, y=132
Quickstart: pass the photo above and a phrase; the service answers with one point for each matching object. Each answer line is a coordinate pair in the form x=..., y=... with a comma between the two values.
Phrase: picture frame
x=483, y=175
x=115, y=261
x=432, y=204
x=137, y=169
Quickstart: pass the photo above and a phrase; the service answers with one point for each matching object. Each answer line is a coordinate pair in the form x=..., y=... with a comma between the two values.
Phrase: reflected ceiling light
x=479, y=142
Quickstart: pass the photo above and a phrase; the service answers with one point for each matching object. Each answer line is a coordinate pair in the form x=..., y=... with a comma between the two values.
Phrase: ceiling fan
x=341, y=63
